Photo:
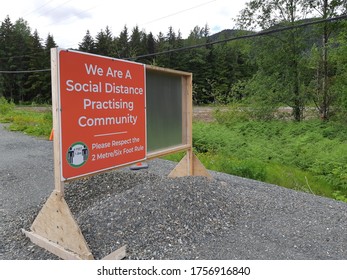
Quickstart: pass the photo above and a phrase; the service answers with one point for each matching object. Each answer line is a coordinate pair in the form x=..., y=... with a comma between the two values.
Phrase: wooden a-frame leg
x=190, y=165
x=56, y=230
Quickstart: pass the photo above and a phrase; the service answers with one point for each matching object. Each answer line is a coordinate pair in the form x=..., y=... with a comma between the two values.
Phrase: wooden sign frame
x=55, y=228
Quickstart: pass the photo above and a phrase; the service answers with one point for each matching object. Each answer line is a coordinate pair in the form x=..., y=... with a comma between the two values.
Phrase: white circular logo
x=77, y=155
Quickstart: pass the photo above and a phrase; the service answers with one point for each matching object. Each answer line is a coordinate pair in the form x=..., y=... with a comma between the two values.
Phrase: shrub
x=5, y=106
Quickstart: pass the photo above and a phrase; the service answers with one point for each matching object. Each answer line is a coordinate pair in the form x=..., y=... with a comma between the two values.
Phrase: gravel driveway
x=158, y=217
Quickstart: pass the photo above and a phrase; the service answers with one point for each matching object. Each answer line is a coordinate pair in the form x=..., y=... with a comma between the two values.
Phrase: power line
x=157, y=19
x=76, y=14
x=54, y=8
x=40, y=7
x=24, y=55
x=24, y=71
x=179, y=12
x=258, y=34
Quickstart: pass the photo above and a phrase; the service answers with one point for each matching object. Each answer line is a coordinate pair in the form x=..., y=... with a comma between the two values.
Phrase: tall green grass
x=309, y=156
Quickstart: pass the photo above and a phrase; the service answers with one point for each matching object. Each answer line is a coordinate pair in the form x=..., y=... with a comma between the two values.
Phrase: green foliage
x=229, y=115
x=309, y=156
x=22, y=50
x=5, y=107
x=338, y=195
x=30, y=122
x=247, y=168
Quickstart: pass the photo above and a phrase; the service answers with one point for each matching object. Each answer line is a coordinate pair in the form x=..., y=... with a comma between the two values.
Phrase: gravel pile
x=157, y=217
x=192, y=218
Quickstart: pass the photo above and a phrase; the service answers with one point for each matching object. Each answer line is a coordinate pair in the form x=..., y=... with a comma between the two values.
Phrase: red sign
x=102, y=113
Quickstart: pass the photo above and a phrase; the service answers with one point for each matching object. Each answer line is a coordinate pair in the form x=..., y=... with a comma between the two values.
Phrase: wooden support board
x=56, y=230
x=52, y=247
x=190, y=167
x=116, y=255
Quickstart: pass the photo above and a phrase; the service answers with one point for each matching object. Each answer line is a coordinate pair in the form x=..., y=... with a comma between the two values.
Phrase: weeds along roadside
x=308, y=156
x=26, y=119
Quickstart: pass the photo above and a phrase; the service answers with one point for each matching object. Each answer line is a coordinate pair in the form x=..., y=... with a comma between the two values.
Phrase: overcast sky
x=68, y=20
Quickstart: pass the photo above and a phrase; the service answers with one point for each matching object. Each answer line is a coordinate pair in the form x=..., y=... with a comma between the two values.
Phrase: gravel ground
x=158, y=217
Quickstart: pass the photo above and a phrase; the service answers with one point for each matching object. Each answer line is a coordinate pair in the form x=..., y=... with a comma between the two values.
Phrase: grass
x=274, y=173
x=309, y=156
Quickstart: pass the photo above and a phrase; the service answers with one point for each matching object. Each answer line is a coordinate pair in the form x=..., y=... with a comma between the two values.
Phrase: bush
x=5, y=106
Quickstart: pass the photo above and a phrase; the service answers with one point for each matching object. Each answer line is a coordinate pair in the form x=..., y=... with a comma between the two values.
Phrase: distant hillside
x=311, y=33
x=229, y=33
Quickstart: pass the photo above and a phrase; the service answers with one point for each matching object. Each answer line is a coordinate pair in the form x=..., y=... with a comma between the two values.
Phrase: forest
x=299, y=61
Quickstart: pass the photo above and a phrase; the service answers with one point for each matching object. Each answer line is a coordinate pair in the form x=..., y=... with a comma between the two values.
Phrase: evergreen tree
x=171, y=44
x=161, y=46
x=50, y=43
x=16, y=47
x=7, y=52
x=195, y=62
x=151, y=45
x=36, y=80
x=22, y=41
x=135, y=42
x=46, y=89
x=87, y=44
x=105, y=44
x=164, y=44
x=123, y=48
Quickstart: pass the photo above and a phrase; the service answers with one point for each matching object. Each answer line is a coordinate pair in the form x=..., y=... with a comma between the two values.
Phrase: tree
x=7, y=52
x=287, y=78
x=123, y=49
x=15, y=41
x=151, y=44
x=161, y=46
x=35, y=83
x=105, y=44
x=22, y=40
x=87, y=44
x=48, y=45
x=196, y=61
x=323, y=96
x=338, y=57
x=135, y=42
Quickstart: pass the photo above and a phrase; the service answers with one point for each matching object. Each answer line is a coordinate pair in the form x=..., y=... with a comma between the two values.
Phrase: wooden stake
x=58, y=183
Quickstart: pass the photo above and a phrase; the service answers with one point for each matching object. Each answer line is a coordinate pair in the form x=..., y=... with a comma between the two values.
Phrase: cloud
x=63, y=12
